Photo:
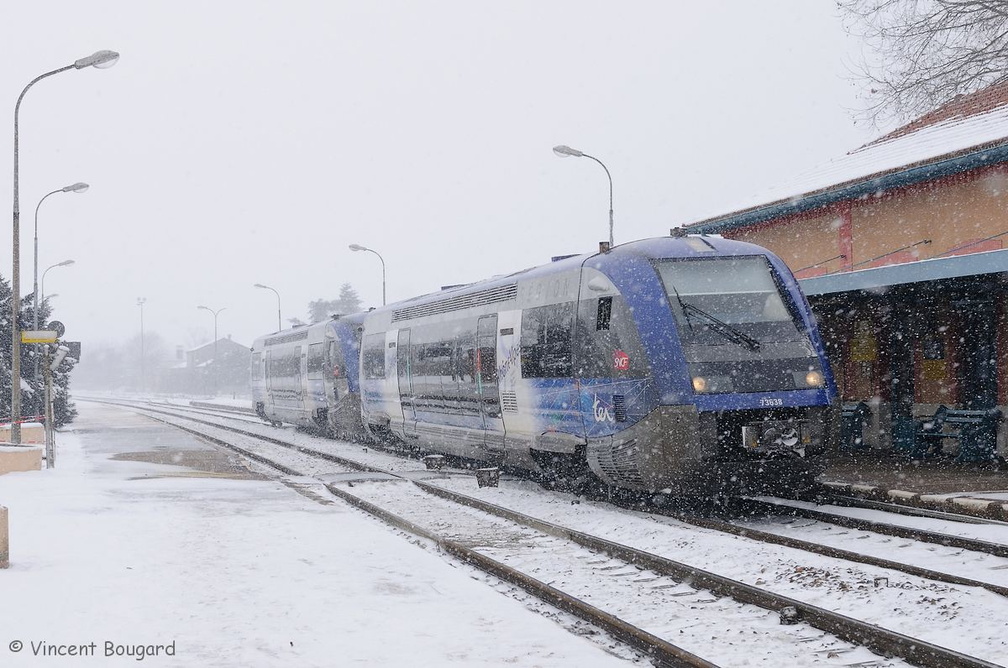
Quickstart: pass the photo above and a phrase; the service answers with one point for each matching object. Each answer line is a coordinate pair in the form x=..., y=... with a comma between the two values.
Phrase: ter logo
x=621, y=361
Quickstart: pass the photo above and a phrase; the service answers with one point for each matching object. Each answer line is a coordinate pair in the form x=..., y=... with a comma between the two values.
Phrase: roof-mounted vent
x=557, y=258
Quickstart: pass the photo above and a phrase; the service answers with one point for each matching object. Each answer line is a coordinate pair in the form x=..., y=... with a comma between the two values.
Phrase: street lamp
x=358, y=247
x=41, y=298
x=64, y=263
x=143, y=383
x=266, y=287
x=565, y=151
x=101, y=60
x=215, y=359
x=74, y=188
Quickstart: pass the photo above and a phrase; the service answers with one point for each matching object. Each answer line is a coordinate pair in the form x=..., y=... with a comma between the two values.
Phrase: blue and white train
x=678, y=364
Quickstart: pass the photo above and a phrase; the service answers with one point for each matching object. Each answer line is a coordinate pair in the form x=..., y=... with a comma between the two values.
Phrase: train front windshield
x=739, y=332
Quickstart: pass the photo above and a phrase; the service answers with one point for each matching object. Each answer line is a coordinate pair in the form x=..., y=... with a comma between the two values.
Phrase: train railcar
x=307, y=376
x=677, y=364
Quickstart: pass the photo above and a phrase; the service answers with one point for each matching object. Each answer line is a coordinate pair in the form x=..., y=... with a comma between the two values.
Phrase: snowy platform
x=129, y=541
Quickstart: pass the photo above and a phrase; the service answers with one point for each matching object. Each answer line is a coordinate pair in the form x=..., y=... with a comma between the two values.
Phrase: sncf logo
x=621, y=361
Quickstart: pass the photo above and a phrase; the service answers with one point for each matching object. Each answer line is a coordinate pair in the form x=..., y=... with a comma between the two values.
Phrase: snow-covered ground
x=135, y=557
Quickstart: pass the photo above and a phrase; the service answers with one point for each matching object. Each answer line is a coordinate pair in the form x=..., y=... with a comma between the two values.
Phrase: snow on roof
x=892, y=154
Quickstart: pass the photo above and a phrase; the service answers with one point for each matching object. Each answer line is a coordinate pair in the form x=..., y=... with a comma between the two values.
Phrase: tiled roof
x=961, y=106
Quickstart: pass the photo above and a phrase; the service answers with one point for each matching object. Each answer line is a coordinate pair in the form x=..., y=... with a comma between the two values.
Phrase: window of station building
x=546, y=341
x=608, y=344
x=373, y=356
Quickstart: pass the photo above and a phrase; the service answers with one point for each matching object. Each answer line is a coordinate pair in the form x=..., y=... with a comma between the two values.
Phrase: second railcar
x=307, y=376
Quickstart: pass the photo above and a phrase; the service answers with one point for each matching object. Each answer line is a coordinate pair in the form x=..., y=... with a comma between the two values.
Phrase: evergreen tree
x=322, y=309
x=349, y=301
x=32, y=390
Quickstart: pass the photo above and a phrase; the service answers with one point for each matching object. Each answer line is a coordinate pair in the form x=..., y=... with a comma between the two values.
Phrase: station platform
x=972, y=489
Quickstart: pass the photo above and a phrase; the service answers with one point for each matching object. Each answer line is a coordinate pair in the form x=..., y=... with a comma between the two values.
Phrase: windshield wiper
x=731, y=333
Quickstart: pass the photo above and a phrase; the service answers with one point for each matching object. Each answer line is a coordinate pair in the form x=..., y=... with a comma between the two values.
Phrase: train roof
x=657, y=247
x=302, y=331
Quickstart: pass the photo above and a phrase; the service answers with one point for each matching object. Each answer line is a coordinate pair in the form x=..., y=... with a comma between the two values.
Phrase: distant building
x=215, y=368
x=899, y=246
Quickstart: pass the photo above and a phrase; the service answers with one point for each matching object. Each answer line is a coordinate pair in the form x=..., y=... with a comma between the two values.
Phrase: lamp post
x=74, y=188
x=358, y=247
x=101, y=60
x=40, y=298
x=143, y=382
x=565, y=151
x=266, y=287
x=64, y=263
x=215, y=359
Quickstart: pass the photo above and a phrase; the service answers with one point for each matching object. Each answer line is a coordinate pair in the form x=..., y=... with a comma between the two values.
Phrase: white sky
x=250, y=142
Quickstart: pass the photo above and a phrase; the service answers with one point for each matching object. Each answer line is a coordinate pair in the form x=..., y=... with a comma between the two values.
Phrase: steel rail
x=906, y=509
x=661, y=652
x=922, y=535
x=657, y=649
x=871, y=636
x=833, y=552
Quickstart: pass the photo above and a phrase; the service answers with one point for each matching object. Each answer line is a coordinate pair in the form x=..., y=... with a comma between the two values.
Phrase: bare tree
x=922, y=53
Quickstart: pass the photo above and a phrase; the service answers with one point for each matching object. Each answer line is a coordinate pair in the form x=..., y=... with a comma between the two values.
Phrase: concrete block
x=13, y=458
x=976, y=505
x=31, y=432
x=903, y=495
x=4, y=539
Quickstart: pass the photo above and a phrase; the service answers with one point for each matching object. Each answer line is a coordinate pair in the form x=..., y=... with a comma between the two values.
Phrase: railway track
x=806, y=510
x=412, y=508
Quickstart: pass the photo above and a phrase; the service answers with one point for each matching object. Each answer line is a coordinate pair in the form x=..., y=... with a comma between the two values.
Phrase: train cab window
x=373, y=356
x=546, y=341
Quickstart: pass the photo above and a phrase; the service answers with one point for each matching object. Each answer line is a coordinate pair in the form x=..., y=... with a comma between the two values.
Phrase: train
x=687, y=364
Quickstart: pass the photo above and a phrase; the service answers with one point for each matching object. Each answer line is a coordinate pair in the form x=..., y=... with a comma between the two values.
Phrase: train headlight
x=699, y=384
x=814, y=378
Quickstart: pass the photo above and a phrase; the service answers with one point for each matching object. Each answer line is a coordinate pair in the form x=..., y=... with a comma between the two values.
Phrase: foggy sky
x=250, y=142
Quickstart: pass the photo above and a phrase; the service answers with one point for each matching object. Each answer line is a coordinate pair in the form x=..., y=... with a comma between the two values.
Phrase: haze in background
x=250, y=142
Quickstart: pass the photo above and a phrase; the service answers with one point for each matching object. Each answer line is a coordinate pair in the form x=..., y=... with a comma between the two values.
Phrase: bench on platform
x=975, y=430
x=852, y=421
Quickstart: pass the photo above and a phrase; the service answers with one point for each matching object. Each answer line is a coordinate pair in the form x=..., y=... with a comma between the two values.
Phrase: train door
x=268, y=368
x=487, y=385
x=405, y=375
x=299, y=384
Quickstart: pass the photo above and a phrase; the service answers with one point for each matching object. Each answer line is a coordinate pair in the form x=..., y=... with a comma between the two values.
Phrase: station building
x=899, y=246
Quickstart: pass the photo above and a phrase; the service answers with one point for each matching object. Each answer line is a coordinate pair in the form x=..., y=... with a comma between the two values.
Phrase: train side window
x=313, y=365
x=373, y=356
x=257, y=366
x=610, y=351
x=546, y=341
